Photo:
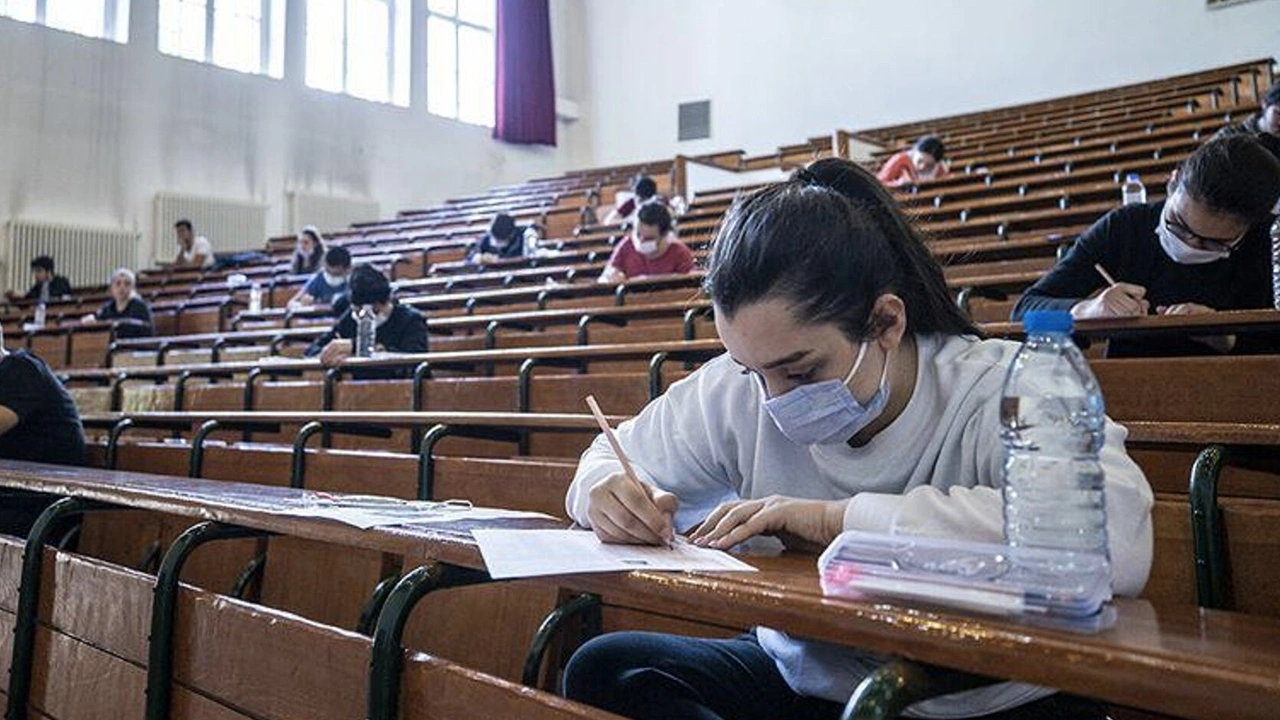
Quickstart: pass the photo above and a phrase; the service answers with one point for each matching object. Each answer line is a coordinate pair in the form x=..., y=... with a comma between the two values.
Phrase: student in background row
x=1204, y=248
x=651, y=248
x=643, y=191
x=853, y=395
x=505, y=239
x=1266, y=121
x=48, y=285
x=125, y=304
x=308, y=251
x=329, y=283
x=194, y=251
x=400, y=329
x=589, y=216
x=923, y=161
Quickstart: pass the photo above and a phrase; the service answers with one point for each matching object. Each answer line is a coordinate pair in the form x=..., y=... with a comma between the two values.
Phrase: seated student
x=125, y=304
x=1266, y=121
x=854, y=394
x=193, y=251
x=1204, y=248
x=329, y=283
x=505, y=239
x=307, y=252
x=48, y=286
x=590, y=212
x=650, y=249
x=38, y=423
x=923, y=161
x=400, y=329
x=643, y=191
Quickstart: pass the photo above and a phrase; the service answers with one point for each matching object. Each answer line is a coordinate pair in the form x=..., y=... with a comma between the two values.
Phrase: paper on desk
x=529, y=553
x=406, y=513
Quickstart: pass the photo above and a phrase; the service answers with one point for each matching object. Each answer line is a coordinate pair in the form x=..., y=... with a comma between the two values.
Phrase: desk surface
x=1178, y=660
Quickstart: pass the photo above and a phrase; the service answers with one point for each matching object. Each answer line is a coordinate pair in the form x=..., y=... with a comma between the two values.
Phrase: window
x=107, y=19
x=244, y=35
x=359, y=47
x=460, y=60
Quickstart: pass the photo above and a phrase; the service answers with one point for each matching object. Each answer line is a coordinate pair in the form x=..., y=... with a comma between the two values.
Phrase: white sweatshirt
x=936, y=470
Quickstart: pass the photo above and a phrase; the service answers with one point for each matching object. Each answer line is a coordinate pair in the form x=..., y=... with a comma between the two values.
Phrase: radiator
x=86, y=256
x=328, y=213
x=230, y=225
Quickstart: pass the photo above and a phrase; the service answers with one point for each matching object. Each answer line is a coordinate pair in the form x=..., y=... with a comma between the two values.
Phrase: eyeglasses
x=1190, y=237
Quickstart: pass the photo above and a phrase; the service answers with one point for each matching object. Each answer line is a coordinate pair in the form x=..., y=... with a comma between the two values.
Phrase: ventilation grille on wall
x=86, y=256
x=230, y=225
x=695, y=120
x=328, y=213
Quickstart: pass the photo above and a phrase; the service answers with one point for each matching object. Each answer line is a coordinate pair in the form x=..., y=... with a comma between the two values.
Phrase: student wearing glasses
x=1202, y=249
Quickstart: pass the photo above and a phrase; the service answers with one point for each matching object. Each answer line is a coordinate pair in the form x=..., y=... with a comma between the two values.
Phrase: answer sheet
x=530, y=553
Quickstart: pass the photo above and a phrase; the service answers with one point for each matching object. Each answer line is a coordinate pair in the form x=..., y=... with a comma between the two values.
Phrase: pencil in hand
x=1105, y=275
x=612, y=438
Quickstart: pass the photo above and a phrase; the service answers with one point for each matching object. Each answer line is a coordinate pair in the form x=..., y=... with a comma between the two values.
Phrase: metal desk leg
x=887, y=692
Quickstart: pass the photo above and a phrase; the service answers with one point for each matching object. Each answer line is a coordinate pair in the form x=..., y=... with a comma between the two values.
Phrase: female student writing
x=853, y=395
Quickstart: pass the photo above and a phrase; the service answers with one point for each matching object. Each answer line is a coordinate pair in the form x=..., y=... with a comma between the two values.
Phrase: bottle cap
x=1047, y=321
x=1132, y=177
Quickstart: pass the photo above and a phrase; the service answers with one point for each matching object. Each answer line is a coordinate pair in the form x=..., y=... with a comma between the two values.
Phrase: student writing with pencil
x=1204, y=248
x=854, y=394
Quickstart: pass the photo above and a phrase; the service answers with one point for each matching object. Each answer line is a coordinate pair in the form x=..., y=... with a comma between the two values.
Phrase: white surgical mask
x=1180, y=252
x=334, y=280
x=382, y=317
x=646, y=247
x=827, y=413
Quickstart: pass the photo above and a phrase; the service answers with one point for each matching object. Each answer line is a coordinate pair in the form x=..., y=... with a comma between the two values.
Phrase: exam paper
x=530, y=553
x=365, y=516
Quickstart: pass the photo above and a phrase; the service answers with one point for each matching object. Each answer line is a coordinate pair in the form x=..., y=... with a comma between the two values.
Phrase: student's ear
x=888, y=321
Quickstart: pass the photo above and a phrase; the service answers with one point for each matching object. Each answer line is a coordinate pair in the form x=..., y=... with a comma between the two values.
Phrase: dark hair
x=1237, y=175
x=44, y=262
x=309, y=262
x=593, y=193
x=337, y=257
x=830, y=241
x=183, y=223
x=368, y=285
x=1273, y=96
x=656, y=214
x=932, y=145
x=644, y=187
x=502, y=227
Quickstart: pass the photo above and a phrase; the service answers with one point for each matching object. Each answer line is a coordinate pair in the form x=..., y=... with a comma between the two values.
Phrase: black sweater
x=404, y=332
x=1125, y=243
x=136, y=309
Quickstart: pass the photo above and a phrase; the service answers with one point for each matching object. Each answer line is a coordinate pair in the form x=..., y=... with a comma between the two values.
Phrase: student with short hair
x=308, y=251
x=125, y=304
x=38, y=423
x=48, y=285
x=651, y=248
x=921, y=162
x=1267, y=120
x=644, y=190
x=400, y=329
x=329, y=283
x=193, y=250
x=1205, y=247
x=853, y=395
x=505, y=239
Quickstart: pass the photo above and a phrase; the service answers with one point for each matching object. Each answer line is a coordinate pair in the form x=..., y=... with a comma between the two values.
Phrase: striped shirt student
x=853, y=395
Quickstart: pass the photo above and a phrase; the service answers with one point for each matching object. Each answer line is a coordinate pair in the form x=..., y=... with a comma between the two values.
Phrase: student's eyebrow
x=1176, y=219
x=797, y=355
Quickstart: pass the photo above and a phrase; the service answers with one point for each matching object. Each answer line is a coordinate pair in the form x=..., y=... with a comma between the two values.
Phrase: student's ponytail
x=831, y=240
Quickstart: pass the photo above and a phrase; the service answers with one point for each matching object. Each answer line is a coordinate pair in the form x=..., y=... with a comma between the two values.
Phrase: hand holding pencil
x=1119, y=299
x=625, y=509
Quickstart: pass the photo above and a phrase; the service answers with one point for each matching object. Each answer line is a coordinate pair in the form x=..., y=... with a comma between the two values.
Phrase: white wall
x=781, y=71
x=90, y=130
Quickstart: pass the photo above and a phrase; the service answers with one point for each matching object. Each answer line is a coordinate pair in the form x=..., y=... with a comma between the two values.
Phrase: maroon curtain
x=525, y=94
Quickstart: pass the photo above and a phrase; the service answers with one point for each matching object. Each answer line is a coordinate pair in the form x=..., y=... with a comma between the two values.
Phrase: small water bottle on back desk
x=1133, y=192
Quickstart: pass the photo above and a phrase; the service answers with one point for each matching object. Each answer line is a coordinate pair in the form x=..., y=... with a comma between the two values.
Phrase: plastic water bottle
x=366, y=327
x=255, y=298
x=40, y=315
x=1133, y=191
x=530, y=242
x=1275, y=262
x=1052, y=426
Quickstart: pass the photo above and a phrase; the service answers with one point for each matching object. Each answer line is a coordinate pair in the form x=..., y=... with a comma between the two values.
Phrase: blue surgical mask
x=827, y=413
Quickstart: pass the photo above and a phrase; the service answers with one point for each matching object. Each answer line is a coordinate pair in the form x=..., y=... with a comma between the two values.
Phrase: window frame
x=264, y=37
x=392, y=50
x=458, y=23
x=110, y=15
